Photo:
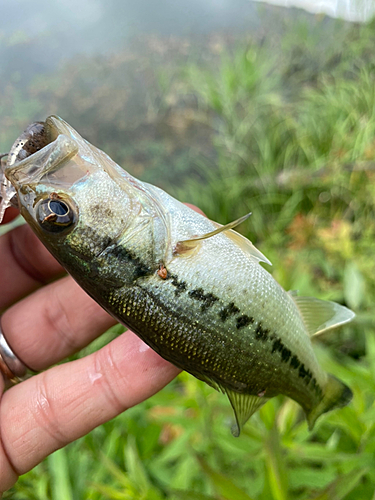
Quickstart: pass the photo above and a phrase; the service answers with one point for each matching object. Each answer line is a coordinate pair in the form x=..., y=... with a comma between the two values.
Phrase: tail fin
x=336, y=395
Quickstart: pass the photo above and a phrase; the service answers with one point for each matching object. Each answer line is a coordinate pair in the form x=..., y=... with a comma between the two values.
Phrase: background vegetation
x=280, y=124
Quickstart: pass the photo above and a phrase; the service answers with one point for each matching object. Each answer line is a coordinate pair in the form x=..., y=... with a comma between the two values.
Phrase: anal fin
x=244, y=405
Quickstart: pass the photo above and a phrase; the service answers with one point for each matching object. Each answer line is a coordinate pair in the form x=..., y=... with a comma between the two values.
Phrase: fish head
x=74, y=197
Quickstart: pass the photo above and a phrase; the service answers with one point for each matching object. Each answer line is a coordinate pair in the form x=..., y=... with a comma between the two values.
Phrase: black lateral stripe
x=243, y=321
x=286, y=355
x=261, y=333
x=122, y=253
x=294, y=362
x=228, y=310
x=207, y=299
x=305, y=374
x=180, y=285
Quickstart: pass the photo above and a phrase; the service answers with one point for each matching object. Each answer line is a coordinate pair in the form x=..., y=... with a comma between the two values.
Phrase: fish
x=195, y=291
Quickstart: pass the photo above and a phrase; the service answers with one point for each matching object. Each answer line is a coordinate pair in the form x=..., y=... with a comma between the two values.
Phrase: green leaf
x=60, y=481
x=302, y=477
x=342, y=486
x=111, y=493
x=354, y=286
x=115, y=471
x=184, y=472
x=370, y=350
x=190, y=495
x=223, y=485
x=134, y=465
x=275, y=467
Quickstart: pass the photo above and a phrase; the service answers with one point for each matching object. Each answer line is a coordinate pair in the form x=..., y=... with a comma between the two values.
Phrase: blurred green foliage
x=281, y=125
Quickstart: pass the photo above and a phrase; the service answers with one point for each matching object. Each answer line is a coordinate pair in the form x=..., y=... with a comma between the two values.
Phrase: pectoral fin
x=244, y=405
x=321, y=315
x=245, y=245
x=186, y=245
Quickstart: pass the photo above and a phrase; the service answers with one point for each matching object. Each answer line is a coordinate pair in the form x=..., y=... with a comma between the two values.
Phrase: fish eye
x=56, y=214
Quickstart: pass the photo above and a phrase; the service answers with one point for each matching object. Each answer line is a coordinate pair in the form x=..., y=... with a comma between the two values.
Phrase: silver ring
x=12, y=368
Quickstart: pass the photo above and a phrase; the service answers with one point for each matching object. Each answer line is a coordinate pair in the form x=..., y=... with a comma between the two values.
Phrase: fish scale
x=193, y=290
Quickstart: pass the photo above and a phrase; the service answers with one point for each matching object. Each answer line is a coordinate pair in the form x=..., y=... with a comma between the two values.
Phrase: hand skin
x=47, y=318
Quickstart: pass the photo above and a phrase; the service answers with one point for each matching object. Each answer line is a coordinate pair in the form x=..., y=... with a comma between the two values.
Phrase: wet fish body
x=201, y=300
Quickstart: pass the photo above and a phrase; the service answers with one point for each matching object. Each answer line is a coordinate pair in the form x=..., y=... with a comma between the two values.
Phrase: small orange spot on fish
x=54, y=196
x=162, y=272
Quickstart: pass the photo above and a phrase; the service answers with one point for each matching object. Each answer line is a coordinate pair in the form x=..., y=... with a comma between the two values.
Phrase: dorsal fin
x=244, y=405
x=322, y=315
x=184, y=246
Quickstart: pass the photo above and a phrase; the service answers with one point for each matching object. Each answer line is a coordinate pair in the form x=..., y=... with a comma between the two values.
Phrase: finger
x=25, y=265
x=8, y=475
x=57, y=407
x=195, y=208
x=53, y=323
x=10, y=214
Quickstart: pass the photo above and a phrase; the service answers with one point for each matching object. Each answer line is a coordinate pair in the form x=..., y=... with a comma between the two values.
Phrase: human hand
x=47, y=319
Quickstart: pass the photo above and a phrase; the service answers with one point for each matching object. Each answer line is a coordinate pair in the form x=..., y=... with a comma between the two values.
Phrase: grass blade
x=60, y=480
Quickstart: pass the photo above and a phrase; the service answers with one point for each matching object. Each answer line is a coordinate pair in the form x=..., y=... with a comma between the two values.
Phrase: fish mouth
x=42, y=148
x=34, y=138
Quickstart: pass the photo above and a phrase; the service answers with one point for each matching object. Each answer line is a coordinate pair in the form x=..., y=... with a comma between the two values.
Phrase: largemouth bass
x=191, y=289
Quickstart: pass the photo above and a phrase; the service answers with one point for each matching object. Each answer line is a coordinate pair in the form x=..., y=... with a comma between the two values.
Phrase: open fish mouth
x=51, y=157
x=37, y=136
x=42, y=147
x=30, y=141
x=40, y=155
x=34, y=138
